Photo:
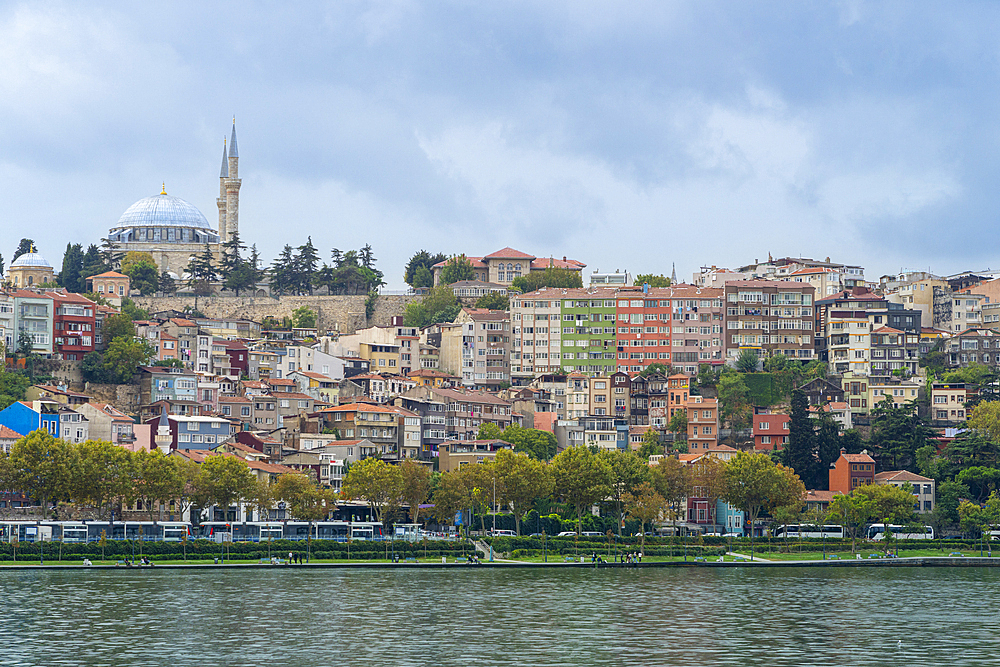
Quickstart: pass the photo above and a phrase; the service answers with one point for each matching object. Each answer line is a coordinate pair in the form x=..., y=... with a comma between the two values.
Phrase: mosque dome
x=163, y=210
x=30, y=260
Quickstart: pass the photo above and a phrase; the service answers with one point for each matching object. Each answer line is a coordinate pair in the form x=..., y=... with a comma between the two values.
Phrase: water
x=479, y=616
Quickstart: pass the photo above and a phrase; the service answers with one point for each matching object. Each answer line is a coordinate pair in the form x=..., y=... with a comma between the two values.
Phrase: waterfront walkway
x=929, y=561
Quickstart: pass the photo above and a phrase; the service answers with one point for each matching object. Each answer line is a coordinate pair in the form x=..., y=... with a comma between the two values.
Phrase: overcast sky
x=625, y=135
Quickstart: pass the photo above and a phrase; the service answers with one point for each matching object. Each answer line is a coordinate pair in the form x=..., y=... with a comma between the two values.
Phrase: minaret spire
x=221, y=201
x=225, y=161
x=232, y=190
x=673, y=273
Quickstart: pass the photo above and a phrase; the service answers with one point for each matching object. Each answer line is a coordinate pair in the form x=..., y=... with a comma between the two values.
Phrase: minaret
x=163, y=438
x=232, y=189
x=673, y=274
x=221, y=201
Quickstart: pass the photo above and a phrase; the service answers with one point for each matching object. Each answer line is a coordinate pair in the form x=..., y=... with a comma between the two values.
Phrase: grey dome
x=29, y=259
x=162, y=210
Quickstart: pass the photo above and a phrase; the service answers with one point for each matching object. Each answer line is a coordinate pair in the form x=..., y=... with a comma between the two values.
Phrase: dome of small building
x=30, y=259
x=163, y=210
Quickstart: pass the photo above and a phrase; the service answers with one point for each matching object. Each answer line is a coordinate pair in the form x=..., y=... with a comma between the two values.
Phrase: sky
x=630, y=136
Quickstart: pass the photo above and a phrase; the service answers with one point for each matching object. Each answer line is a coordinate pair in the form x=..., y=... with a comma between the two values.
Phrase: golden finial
x=33, y=250
x=164, y=190
x=234, y=119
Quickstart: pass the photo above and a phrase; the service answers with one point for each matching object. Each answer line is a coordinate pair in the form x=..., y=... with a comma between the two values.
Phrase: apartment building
x=703, y=423
x=914, y=291
x=851, y=471
x=563, y=330
x=770, y=317
x=901, y=392
x=977, y=345
x=465, y=411
x=957, y=311
x=73, y=324
x=648, y=401
x=948, y=401
x=770, y=430
x=476, y=347
x=844, y=276
x=33, y=313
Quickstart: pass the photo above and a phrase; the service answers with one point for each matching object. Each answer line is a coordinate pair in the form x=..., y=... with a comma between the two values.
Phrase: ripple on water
x=518, y=617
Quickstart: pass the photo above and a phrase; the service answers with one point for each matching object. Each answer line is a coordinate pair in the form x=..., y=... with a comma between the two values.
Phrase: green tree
x=241, y=279
x=949, y=496
x=93, y=263
x=142, y=272
x=755, y=484
x=304, y=317
x=897, y=433
x=124, y=356
x=231, y=256
x=890, y=504
x=457, y=268
x=439, y=305
x=747, y=361
x=985, y=419
x=853, y=512
x=304, y=267
x=223, y=481
x=535, y=443
x=550, y=277
x=101, y=473
x=415, y=486
x=166, y=283
x=25, y=343
x=494, y=301
x=202, y=272
x=375, y=482
x=655, y=369
x=646, y=505
x=93, y=368
x=418, y=272
x=800, y=452
x=451, y=496
x=979, y=518
x=72, y=264
x=650, y=444
x=980, y=480
x=581, y=479
x=652, y=280
x=39, y=465
x=23, y=248
x=734, y=400
x=522, y=479
x=678, y=425
x=158, y=479
x=628, y=472
x=489, y=431
x=118, y=326
x=672, y=480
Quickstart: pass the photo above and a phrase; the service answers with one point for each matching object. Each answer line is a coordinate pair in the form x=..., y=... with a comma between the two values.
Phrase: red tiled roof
x=857, y=458
x=887, y=330
x=108, y=274
x=508, y=253
x=900, y=476
x=9, y=434
x=281, y=382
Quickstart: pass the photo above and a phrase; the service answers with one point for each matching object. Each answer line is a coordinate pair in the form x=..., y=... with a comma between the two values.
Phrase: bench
x=410, y=560
x=743, y=559
x=570, y=559
x=870, y=556
x=833, y=557
x=461, y=559
x=957, y=553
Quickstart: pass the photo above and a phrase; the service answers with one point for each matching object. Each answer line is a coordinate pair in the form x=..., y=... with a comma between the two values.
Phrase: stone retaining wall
x=345, y=314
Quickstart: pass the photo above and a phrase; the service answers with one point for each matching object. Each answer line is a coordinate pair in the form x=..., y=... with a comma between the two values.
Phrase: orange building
x=851, y=471
x=703, y=423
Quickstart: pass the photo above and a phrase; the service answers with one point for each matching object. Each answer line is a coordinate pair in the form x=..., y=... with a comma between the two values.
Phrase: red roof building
x=851, y=471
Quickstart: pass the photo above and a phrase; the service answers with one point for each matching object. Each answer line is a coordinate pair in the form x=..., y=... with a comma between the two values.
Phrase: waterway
x=481, y=616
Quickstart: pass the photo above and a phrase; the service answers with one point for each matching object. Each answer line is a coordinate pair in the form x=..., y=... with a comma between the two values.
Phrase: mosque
x=173, y=230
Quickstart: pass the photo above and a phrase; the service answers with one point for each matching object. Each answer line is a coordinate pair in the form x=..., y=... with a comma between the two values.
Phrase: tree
x=1, y=265
x=223, y=480
x=231, y=258
x=747, y=361
x=166, y=283
x=980, y=480
x=522, y=480
x=158, y=479
x=628, y=472
x=652, y=280
x=800, y=452
x=672, y=480
x=142, y=272
x=754, y=483
x=581, y=479
x=897, y=433
x=93, y=369
x=305, y=265
x=23, y=248
x=118, y=326
x=124, y=356
x=418, y=272
x=489, y=431
x=110, y=254
x=550, y=277
x=535, y=443
x=455, y=269
x=646, y=505
x=734, y=400
x=949, y=496
x=853, y=512
x=241, y=279
x=25, y=343
x=415, y=486
x=101, y=473
x=650, y=444
x=985, y=419
x=890, y=504
x=72, y=264
x=451, y=496
x=202, y=271
x=439, y=305
x=979, y=518
x=39, y=466
x=304, y=317
x=93, y=263
x=655, y=369
x=494, y=301
x=306, y=501
x=678, y=425
x=376, y=482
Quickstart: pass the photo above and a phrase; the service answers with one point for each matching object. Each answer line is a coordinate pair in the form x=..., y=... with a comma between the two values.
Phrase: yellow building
x=30, y=269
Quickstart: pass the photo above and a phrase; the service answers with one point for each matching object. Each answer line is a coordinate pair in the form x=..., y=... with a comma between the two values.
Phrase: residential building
x=948, y=401
x=851, y=471
x=821, y=391
x=106, y=422
x=503, y=266
x=193, y=432
x=476, y=289
x=476, y=347
x=453, y=455
x=893, y=352
x=839, y=410
x=465, y=411
x=112, y=285
x=976, y=345
x=74, y=427
x=923, y=487
x=34, y=313
x=7, y=439
x=902, y=392
x=703, y=423
x=157, y=383
x=8, y=334
x=648, y=401
x=855, y=392
x=786, y=268
x=186, y=333
x=377, y=423
x=769, y=317
x=770, y=430
x=238, y=407
x=957, y=311
x=432, y=411
x=915, y=291
x=59, y=394
x=73, y=324
x=27, y=416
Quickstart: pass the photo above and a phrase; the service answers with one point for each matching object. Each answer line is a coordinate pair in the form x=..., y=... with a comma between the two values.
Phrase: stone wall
x=125, y=397
x=345, y=314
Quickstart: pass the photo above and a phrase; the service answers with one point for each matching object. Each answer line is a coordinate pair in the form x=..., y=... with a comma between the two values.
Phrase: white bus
x=810, y=531
x=876, y=531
